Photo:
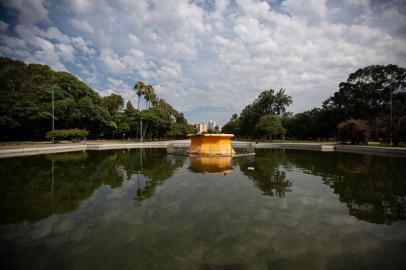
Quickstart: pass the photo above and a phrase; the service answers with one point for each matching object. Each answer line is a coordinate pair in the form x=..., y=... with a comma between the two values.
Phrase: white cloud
x=83, y=45
x=82, y=25
x=53, y=33
x=134, y=39
x=254, y=8
x=30, y=11
x=115, y=83
x=67, y=51
x=169, y=70
x=308, y=10
x=83, y=5
x=197, y=55
x=112, y=61
x=3, y=26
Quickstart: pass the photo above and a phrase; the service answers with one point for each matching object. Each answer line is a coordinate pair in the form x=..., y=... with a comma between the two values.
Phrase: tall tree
x=273, y=102
x=114, y=103
x=140, y=90
x=26, y=102
x=26, y=106
x=153, y=98
x=375, y=94
x=270, y=126
x=268, y=102
x=149, y=94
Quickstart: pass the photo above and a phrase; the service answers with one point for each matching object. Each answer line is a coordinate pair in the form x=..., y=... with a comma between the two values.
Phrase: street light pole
x=53, y=110
x=391, y=117
x=141, y=130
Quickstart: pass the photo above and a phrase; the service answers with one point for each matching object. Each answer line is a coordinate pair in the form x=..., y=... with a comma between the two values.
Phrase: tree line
x=371, y=103
x=26, y=92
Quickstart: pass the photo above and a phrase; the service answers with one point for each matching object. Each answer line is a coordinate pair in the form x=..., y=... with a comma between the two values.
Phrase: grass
x=23, y=143
x=403, y=145
x=305, y=141
x=381, y=144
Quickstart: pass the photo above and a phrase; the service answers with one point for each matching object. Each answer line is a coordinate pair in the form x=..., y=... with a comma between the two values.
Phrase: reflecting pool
x=144, y=209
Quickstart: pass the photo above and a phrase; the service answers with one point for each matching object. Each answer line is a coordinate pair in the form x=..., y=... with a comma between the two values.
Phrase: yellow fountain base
x=211, y=145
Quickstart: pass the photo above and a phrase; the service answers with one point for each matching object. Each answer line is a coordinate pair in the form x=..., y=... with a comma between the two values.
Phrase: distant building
x=201, y=127
x=204, y=127
x=211, y=125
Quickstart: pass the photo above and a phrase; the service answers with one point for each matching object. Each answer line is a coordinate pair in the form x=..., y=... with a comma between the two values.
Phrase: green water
x=143, y=209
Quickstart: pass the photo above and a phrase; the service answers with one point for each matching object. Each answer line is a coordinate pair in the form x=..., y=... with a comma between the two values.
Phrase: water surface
x=143, y=209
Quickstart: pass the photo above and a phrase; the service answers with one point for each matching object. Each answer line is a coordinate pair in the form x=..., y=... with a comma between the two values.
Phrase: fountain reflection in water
x=206, y=164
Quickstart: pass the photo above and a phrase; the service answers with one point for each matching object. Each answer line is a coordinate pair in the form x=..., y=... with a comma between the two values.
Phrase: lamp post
x=141, y=130
x=391, y=117
x=53, y=109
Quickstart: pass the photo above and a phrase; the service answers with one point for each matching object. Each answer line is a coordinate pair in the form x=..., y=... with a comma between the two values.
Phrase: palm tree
x=140, y=88
x=149, y=94
x=154, y=99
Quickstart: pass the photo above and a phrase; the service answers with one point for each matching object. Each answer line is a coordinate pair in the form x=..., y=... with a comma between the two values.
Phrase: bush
x=181, y=130
x=270, y=126
x=123, y=128
x=67, y=134
x=354, y=131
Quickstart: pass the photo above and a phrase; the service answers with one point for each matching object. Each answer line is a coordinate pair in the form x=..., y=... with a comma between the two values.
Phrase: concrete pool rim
x=27, y=151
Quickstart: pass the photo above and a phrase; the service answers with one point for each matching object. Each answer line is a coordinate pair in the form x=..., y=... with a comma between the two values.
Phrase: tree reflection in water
x=373, y=187
x=154, y=168
x=33, y=188
x=264, y=169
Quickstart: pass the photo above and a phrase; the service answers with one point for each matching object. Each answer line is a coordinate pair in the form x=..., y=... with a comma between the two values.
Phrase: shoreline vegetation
x=369, y=107
x=31, y=94
x=45, y=143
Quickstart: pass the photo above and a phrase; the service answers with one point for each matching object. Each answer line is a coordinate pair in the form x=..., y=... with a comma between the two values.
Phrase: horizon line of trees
x=26, y=92
x=371, y=104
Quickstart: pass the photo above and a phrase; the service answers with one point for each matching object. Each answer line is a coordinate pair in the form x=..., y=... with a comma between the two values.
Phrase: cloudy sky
x=207, y=58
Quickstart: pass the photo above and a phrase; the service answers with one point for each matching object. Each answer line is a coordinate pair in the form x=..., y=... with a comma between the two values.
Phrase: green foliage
x=354, y=131
x=371, y=94
x=268, y=102
x=114, y=103
x=366, y=95
x=212, y=131
x=67, y=133
x=375, y=94
x=159, y=120
x=26, y=106
x=123, y=128
x=139, y=87
x=310, y=125
x=270, y=126
x=181, y=130
x=26, y=102
x=231, y=127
